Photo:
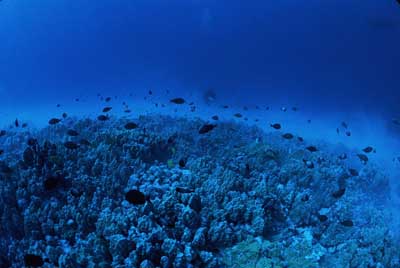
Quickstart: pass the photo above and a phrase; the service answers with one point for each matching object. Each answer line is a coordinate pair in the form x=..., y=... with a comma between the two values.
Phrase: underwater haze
x=197, y=133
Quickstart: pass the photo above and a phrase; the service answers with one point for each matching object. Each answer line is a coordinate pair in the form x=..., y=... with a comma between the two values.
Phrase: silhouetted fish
x=2, y=133
x=347, y=223
x=238, y=115
x=107, y=109
x=102, y=118
x=215, y=117
x=72, y=133
x=353, y=172
x=135, y=197
x=182, y=163
x=16, y=122
x=108, y=99
x=54, y=121
x=344, y=125
x=206, y=128
x=24, y=125
x=368, y=149
x=312, y=148
x=71, y=145
x=276, y=126
x=178, y=100
x=363, y=158
x=130, y=126
x=287, y=136
x=32, y=260
x=64, y=115
x=339, y=193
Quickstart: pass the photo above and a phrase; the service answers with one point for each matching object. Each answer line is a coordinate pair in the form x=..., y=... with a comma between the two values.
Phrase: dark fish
x=51, y=182
x=322, y=218
x=32, y=142
x=225, y=106
x=32, y=260
x=247, y=171
x=368, y=149
x=184, y=190
x=344, y=125
x=64, y=115
x=348, y=133
x=71, y=145
x=353, y=172
x=4, y=168
x=312, y=149
x=102, y=117
x=58, y=105
x=337, y=131
x=238, y=115
x=206, y=128
x=85, y=142
x=24, y=125
x=215, y=117
x=182, y=163
x=396, y=121
x=347, y=223
x=135, y=197
x=283, y=109
x=2, y=133
x=108, y=99
x=287, y=136
x=309, y=121
x=150, y=92
x=72, y=133
x=54, y=121
x=130, y=126
x=178, y=100
x=363, y=158
x=127, y=111
x=1, y=151
x=77, y=99
x=16, y=123
x=300, y=139
x=276, y=126
x=107, y=109
x=339, y=193
x=295, y=109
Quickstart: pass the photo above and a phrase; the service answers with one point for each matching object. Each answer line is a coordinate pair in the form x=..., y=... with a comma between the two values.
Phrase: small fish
x=287, y=136
x=2, y=133
x=127, y=111
x=368, y=149
x=1, y=151
x=135, y=197
x=64, y=115
x=32, y=142
x=32, y=260
x=238, y=115
x=182, y=163
x=276, y=126
x=337, y=131
x=215, y=117
x=24, y=125
x=353, y=172
x=312, y=148
x=363, y=158
x=206, y=128
x=58, y=105
x=396, y=121
x=102, y=118
x=348, y=133
x=107, y=99
x=130, y=126
x=51, y=182
x=300, y=139
x=295, y=109
x=150, y=92
x=347, y=223
x=283, y=109
x=322, y=218
x=344, y=125
x=225, y=106
x=178, y=100
x=16, y=122
x=54, y=121
x=72, y=133
x=71, y=145
x=339, y=193
x=107, y=109
x=309, y=121
x=305, y=198
x=184, y=190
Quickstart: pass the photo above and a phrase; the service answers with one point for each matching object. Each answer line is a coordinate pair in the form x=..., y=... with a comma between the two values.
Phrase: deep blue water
x=331, y=55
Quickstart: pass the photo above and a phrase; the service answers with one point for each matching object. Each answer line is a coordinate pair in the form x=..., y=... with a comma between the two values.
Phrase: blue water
x=336, y=60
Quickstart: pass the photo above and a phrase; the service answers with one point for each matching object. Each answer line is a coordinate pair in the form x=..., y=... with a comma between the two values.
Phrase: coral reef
x=234, y=197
